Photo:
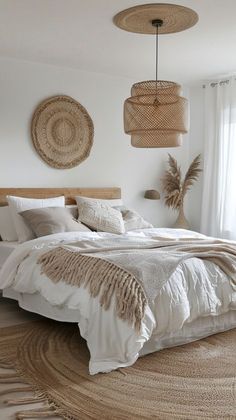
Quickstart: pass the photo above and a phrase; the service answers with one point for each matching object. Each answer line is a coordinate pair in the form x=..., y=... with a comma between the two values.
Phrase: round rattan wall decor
x=62, y=132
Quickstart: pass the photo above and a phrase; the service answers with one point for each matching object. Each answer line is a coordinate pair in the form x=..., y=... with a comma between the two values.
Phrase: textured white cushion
x=19, y=204
x=132, y=219
x=100, y=216
x=113, y=202
x=7, y=227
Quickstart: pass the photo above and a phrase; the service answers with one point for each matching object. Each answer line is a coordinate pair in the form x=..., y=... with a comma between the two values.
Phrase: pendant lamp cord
x=157, y=23
x=157, y=33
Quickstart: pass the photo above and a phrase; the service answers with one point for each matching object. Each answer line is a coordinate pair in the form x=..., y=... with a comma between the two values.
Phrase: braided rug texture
x=194, y=381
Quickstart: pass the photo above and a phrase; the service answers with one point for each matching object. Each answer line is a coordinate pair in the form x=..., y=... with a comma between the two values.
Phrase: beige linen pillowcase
x=50, y=220
x=132, y=219
x=20, y=204
x=100, y=216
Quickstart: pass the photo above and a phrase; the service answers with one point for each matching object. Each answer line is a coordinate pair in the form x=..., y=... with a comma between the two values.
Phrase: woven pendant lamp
x=156, y=115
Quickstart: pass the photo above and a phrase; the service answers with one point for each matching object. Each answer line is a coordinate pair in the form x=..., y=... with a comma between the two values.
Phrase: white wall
x=112, y=162
x=196, y=146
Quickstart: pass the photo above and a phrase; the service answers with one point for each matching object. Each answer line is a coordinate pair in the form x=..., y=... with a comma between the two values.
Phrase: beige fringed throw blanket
x=133, y=271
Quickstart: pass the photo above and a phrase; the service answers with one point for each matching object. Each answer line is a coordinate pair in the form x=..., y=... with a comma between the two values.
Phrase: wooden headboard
x=69, y=193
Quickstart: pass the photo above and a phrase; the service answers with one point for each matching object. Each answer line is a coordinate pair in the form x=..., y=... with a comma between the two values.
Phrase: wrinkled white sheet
x=196, y=290
x=6, y=248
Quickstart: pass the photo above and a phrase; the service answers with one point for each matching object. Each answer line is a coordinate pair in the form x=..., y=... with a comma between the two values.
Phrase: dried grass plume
x=174, y=188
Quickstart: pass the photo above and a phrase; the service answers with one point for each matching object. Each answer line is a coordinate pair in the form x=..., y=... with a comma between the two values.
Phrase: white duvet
x=196, y=290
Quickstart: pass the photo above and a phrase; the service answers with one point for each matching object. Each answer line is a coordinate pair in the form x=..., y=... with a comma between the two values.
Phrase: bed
x=6, y=248
x=197, y=300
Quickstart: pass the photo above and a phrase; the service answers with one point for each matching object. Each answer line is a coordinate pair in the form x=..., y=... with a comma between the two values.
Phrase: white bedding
x=6, y=248
x=196, y=291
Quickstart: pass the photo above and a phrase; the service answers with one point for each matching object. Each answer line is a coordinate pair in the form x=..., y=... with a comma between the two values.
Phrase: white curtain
x=219, y=186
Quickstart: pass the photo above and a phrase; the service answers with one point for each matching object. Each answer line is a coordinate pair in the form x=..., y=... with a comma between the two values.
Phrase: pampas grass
x=175, y=189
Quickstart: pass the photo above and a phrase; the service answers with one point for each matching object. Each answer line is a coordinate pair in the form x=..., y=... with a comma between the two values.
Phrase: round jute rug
x=194, y=381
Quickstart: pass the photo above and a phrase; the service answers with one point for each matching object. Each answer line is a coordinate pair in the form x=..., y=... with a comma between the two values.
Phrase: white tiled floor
x=11, y=314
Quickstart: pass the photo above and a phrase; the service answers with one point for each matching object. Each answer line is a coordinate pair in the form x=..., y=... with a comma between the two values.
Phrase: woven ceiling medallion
x=62, y=132
x=138, y=19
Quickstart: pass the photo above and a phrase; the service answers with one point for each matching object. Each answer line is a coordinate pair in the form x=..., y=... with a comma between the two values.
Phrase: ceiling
x=81, y=34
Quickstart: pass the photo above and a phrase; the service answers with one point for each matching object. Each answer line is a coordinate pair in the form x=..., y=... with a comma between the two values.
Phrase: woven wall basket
x=62, y=132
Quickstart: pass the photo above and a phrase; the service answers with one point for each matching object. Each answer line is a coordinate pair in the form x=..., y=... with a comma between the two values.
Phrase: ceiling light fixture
x=156, y=115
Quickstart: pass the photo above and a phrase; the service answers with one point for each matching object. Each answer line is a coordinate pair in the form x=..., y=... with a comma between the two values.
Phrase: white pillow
x=100, y=216
x=73, y=209
x=7, y=228
x=19, y=204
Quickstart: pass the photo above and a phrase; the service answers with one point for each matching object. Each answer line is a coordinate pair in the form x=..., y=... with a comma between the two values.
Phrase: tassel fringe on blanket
x=101, y=277
x=109, y=276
